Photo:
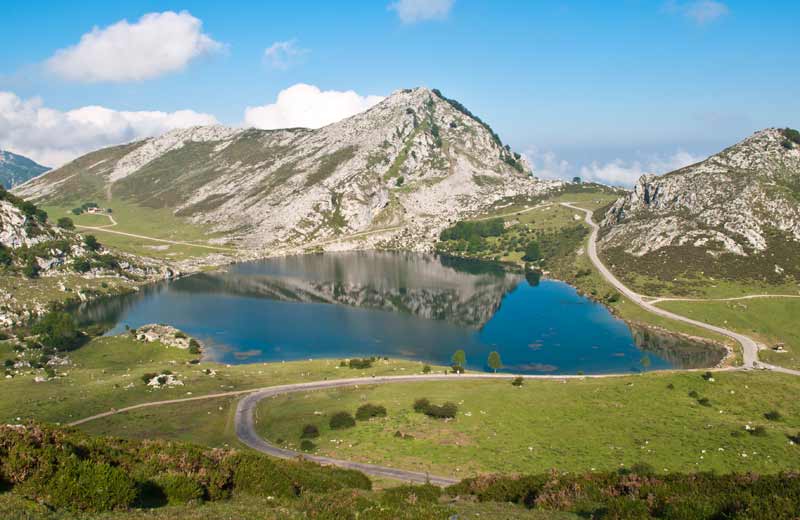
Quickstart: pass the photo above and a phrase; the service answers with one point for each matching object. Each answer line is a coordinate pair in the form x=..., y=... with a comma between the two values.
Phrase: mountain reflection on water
x=399, y=305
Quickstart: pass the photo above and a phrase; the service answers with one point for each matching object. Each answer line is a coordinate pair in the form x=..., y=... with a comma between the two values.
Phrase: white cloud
x=412, y=11
x=53, y=137
x=625, y=173
x=307, y=106
x=546, y=165
x=700, y=11
x=157, y=44
x=619, y=172
x=282, y=55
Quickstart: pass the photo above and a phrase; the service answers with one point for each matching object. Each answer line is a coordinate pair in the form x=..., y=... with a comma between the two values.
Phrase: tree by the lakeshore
x=459, y=358
x=495, y=363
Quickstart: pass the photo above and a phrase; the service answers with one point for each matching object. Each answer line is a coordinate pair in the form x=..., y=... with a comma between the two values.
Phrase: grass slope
x=571, y=425
x=768, y=320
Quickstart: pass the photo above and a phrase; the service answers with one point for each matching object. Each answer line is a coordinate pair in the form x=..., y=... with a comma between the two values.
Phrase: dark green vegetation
x=792, y=138
x=509, y=157
x=689, y=271
x=639, y=493
x=447, y=410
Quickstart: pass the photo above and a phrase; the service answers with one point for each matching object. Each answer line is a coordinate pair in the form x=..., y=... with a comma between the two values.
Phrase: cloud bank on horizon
x=159, y=43
x=619, y=172
x=53, y=137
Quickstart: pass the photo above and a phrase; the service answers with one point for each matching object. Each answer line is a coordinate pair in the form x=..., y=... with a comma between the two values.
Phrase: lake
x=401, y=305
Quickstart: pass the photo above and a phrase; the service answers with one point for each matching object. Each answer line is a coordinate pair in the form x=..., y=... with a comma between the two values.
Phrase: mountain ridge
x=741, y=205
x=416, y=161
x=16, y=169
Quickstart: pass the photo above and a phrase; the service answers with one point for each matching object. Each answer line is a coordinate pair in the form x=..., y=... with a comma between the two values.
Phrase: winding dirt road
x=749, y=347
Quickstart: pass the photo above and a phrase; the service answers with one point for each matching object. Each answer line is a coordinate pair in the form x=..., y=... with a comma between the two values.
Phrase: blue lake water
x=422, y=307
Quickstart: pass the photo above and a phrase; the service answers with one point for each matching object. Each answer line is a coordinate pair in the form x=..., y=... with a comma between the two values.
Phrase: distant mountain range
x=16, y=169
x=734, y=215
x=411, y=165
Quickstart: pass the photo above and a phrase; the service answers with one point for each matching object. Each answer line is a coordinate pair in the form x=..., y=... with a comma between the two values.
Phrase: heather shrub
x=368, y=411
x=180, y=489
x=420, y=405
x=341, y=420
x=310, y=431
x=89, y=486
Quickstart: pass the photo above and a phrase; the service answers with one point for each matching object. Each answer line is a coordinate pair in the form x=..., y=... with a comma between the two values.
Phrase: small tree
x=426, y=369
x=66, y=223
x=495, y=363
x=459, y=358
x=57, y=330
x=31, y=269
x=91, y=243
x=576, y=180
x=532, y=252
x=517, y=381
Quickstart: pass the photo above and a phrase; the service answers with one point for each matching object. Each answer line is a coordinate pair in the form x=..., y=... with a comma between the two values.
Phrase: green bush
x=420, y=405
x=194, y=346
x=361, y=363
x=81, y=265
x=341, y=420
x=310, y=431
x=90, y=486
x=180, y=489
x=773, y=415
x=408, y=494
x=91, y=243
x=426, y=369
x=307, y=445
x=517, y=381
x=31, y=269
x=368, y=411
x=66, y=223
x=58, y=330
x=446, y=411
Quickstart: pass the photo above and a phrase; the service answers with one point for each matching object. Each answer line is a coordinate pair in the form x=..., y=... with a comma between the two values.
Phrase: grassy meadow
x=768, y=320
x=571, y=425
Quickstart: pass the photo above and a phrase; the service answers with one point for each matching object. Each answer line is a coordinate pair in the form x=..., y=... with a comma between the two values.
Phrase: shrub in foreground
x=368, y=411
x=445, y=411
x=341, y=420
x=88, y=486
x=310, y=431
x=180, y=489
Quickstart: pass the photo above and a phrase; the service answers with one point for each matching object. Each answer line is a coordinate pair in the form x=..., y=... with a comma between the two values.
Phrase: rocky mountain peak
x=16, y=169
x=411, y=164
x=743, y=201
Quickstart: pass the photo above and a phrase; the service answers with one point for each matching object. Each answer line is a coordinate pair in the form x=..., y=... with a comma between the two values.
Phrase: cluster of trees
x=472, y=230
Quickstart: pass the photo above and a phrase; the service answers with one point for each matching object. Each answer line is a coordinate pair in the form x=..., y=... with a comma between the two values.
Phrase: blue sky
x=607, y=89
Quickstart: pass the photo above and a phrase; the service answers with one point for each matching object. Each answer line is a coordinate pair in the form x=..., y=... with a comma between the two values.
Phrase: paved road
x=749, y=347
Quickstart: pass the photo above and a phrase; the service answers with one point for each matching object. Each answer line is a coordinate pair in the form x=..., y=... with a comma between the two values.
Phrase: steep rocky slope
x=412, y=164
x=736, y=214
x=16, y=169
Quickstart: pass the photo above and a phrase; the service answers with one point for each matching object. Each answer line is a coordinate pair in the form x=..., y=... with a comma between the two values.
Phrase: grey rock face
x=410, y=165
x=732, y=202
